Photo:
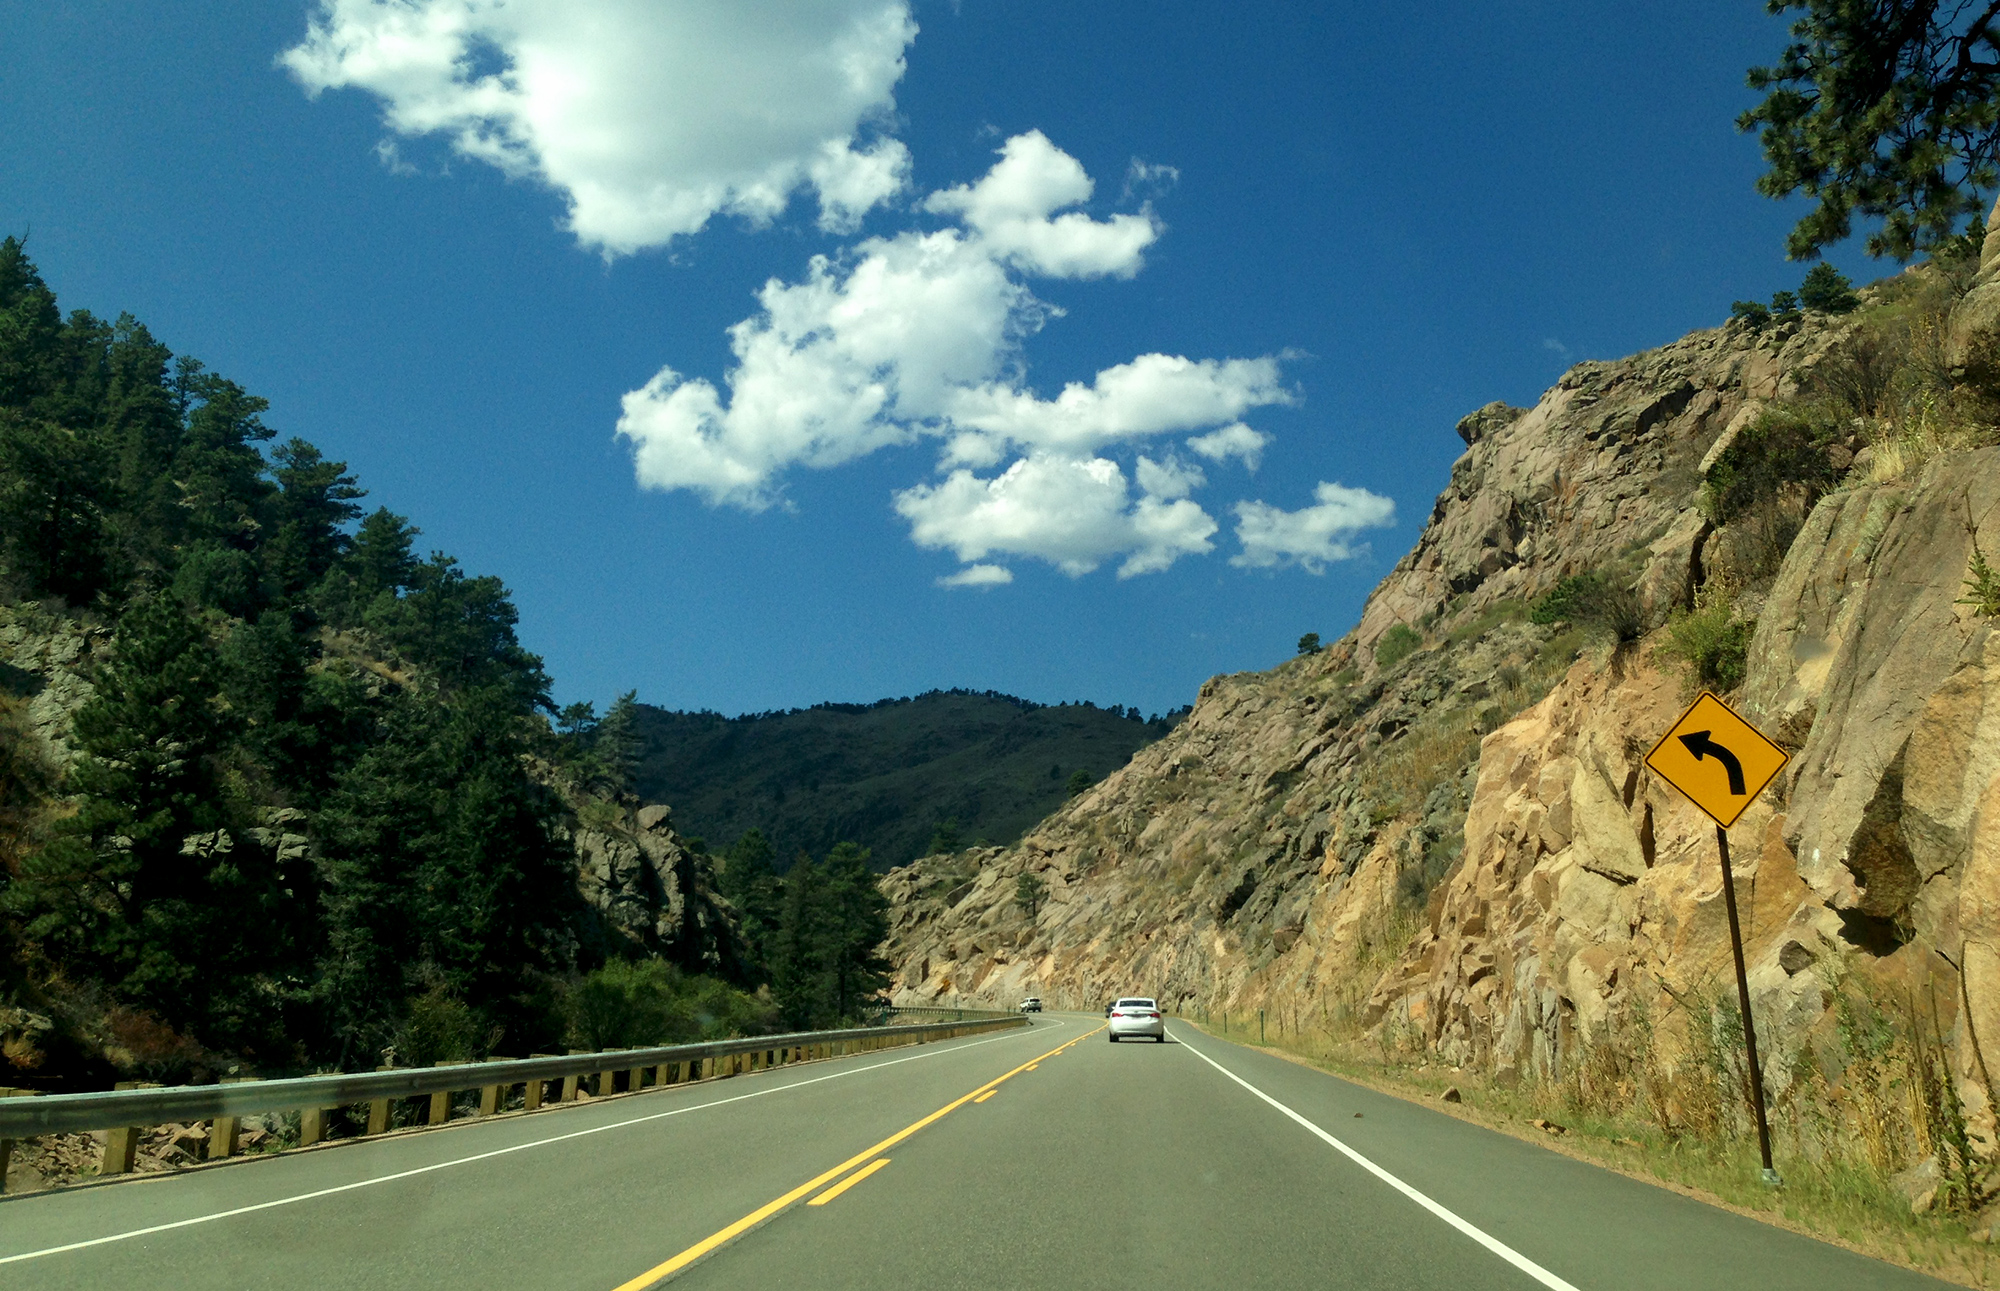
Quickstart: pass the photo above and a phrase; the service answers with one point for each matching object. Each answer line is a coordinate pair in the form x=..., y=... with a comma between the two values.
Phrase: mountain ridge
x=884, y=775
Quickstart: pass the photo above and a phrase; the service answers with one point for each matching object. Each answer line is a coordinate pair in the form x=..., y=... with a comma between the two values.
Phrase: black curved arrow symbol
x=1701, y=746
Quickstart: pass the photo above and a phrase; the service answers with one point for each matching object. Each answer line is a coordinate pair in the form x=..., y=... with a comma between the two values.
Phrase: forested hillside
x=889, y=775
x=279, y=789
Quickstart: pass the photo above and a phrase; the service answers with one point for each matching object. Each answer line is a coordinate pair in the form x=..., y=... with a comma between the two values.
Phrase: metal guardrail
x=957, y=1014
x=22, y=1118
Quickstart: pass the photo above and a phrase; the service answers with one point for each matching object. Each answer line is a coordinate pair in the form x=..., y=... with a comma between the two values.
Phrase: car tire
x=1113, y=1039
x=1159, y=1039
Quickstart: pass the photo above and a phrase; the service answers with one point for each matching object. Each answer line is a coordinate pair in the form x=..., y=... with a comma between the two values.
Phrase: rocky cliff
x=1440, y=832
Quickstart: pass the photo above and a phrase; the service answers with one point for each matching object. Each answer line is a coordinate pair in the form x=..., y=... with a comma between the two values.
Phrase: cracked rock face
x=1264, y=854
x=649, y=893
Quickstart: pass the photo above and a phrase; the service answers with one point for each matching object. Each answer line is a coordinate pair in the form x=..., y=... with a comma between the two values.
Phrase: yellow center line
x=988, y=1094
x=770, y=1208
x=849, y=1181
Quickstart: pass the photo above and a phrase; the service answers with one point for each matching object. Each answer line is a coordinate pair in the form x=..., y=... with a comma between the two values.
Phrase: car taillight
x=1152, y=1015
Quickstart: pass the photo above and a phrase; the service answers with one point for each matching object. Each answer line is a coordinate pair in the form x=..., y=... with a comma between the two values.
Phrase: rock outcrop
x=648, y=892
x=1462, y=851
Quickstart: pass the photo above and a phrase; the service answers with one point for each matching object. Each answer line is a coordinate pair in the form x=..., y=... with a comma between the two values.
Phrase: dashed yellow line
x=723, y=1235
x=849, y=1181
x=988, y=1094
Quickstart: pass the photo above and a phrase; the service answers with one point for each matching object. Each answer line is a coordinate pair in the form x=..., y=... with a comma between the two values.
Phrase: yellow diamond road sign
x=1717, y=759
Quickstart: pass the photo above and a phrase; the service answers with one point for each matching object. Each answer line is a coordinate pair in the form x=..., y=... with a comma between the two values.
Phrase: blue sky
x=1336, y=227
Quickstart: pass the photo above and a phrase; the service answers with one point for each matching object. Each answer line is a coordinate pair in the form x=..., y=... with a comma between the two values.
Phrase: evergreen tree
x=1827, y=289
x=1029, y=889
x=616, y=745
x=860, y=924
x=751, y=885
x=315, y=502
x=1888, y=109
x=441, y=870
x=802, y=953
x=382, y=557
x=153, y=887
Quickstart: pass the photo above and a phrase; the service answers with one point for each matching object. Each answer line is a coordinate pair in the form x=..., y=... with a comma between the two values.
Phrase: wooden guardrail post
x=378, y=1110
x=121, y=1146
x=312, y=1125
x=7, y=1145
x=531, y=1098
x=224, y=1130
x=489, y=1095
x=635, y=1080
x=572, y=1083
x=607, y=1083
x=440, y=1101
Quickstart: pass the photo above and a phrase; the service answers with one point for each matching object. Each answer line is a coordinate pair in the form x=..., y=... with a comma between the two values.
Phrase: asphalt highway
x=1041, y=1157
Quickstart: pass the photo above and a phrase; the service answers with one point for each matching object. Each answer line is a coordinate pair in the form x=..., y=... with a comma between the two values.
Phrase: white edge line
x=486, y=1156
x=1471, y=1230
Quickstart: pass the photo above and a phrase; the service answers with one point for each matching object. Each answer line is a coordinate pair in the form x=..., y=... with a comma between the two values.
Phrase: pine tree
x=315, y=501
x=1885, y=110
x=802, y=953
x=441, y=870
x=154, y=887
x=860, y=920
x=751, y=886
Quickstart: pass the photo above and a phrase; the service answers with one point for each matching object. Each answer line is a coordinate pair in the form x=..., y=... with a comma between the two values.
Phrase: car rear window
x=1134, y=1004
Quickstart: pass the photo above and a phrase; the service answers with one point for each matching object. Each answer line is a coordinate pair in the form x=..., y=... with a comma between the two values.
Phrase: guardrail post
x=121, y=1146
x=312, y=1125
x=440, y=1101
x=531, y=1097
x=222, y=1131
x=378, y=1110
x=572, y=1083
x=7, y=1145
x=607, y=1083
x=635, y=1080
x=489, y=1095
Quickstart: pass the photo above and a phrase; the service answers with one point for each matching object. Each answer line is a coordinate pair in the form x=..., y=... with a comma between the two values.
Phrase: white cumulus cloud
x=978, y=576
x=1013, y=211
x=918, y=336
x=1075, y=514
x=1233, y=440
x=1311, y=536
x=649, y=116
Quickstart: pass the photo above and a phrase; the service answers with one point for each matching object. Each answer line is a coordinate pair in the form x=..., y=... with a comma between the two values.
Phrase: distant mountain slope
x=882, y=775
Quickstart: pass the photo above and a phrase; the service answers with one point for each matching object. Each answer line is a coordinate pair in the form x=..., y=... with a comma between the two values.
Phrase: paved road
x=1194, y=1163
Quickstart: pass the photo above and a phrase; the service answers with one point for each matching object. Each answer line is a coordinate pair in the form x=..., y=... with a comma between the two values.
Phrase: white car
x=1136, y=1016
x=1033, y=1004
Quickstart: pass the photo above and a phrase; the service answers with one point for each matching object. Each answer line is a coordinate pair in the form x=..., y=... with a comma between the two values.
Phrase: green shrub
x=1784, y=306
x=1753, y=312
x=1782, y=452
x=438, y=1027
x=1396, y=645
x=1982, y=585
x=1710, y=643
x=1309, y=643
x=1595, y=603
x=631, y=1003
x=1489, y=618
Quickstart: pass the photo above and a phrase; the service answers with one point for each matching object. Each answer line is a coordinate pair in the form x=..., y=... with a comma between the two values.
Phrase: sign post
x=1722, y=763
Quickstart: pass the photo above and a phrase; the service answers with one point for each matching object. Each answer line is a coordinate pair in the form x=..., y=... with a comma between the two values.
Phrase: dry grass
x=1667, y=1100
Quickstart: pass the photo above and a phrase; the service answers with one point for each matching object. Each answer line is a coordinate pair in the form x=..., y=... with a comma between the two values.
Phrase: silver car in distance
x=1136, y=1016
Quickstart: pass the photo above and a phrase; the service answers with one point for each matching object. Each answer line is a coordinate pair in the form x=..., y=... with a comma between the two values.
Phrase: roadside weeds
x=1939, y=1248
